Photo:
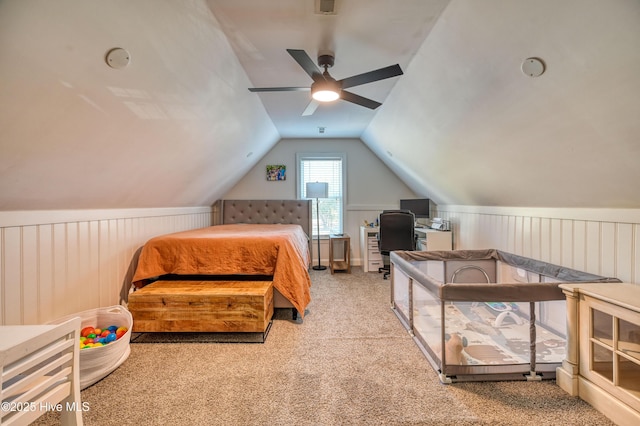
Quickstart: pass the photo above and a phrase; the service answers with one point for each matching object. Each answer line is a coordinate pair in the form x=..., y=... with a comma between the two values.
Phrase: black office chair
x=396, y=233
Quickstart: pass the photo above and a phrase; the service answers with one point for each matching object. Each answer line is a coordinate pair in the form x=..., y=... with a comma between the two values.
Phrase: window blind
x=324, y=168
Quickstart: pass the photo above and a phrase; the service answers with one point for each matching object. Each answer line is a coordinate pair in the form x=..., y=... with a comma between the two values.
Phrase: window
x=330, y=168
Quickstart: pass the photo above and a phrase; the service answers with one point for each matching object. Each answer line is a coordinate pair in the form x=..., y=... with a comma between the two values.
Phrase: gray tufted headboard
x=268, y=211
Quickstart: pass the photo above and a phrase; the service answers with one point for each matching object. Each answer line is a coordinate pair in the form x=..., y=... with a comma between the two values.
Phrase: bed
x=257, y=240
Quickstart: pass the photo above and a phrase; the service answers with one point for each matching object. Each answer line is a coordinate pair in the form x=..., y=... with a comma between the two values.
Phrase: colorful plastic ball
x=86, y=331
x=92, y=337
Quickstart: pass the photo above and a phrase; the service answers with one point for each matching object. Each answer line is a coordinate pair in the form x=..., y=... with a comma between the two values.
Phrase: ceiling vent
x=325, y=7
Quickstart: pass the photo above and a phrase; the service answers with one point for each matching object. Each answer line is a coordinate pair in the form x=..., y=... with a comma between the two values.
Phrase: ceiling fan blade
x=371, y=76
x=279, y=89
x=306, y=63
x=359, y=100
x=311, y=108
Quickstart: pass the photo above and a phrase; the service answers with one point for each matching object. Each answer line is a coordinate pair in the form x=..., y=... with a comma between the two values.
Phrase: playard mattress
x=484, y=314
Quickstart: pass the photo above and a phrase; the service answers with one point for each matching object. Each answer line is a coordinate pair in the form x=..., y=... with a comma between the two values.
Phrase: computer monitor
x=419, y=207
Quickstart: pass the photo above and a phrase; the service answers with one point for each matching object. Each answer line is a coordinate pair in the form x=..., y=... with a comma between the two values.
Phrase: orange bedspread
x=248, y=249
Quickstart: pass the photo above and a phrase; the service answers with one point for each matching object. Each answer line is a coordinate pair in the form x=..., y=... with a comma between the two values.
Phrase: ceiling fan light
x=325, y=95
x=325, y=91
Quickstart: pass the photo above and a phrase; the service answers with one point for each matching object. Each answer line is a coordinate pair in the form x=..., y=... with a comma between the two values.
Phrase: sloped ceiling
x=178, y=127
x=466, y=126
x=363, y=35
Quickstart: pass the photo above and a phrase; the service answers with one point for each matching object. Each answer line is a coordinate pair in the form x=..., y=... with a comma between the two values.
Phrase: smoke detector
x=533, y=67
x=325, y=7
x=118, y=58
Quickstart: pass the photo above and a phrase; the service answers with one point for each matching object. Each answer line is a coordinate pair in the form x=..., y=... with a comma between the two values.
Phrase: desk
x=433, y=239
x=39, y=366
x=343, y=263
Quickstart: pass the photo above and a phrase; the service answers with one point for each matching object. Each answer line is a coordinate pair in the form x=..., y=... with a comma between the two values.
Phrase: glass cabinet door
x=614, y=348
x=602, y=344
x=628, y=356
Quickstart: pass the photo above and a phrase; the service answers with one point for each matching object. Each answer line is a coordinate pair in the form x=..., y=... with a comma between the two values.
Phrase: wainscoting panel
x=601, y=242
x=51, y=267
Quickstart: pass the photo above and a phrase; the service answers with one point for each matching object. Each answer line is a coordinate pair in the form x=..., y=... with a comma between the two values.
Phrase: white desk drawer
x=375, y=255
x=374, y=265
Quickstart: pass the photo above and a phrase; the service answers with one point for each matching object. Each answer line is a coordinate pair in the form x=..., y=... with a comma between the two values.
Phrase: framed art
x=276, y=172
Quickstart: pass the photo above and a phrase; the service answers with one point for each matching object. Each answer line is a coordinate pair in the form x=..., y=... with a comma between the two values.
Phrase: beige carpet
x=350, y=362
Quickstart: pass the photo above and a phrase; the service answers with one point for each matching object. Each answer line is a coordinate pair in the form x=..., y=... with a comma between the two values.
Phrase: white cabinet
x=40, y=372
x=371, y=257
x=432, y=239
x=603, y=348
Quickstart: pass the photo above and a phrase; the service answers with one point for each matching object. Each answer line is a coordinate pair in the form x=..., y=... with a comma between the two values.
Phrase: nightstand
x=342, y=263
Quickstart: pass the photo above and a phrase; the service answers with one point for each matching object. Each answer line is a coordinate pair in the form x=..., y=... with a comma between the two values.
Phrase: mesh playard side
x=481, y=315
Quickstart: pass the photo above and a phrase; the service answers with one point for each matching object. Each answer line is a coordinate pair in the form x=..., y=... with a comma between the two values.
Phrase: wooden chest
x=202, y=306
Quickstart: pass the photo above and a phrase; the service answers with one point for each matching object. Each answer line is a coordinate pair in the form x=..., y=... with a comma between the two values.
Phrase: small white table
x=39, y=366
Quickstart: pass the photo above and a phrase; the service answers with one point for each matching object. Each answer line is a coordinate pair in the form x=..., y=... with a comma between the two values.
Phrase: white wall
x=54, y=263
x=600, y=241
x=371, y=186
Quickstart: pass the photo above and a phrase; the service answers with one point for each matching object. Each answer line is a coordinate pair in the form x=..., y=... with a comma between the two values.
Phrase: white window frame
x=301, y=190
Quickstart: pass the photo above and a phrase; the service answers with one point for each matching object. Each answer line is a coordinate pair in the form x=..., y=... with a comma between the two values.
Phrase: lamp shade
x=317, y=189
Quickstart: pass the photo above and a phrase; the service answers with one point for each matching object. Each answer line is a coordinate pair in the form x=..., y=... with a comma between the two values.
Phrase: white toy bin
x=97, y=363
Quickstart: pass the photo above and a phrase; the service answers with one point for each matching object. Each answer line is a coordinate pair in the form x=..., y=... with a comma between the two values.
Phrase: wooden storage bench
x=202, y=306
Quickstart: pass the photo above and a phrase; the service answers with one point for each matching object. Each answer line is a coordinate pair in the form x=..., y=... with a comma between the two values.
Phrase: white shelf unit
x=371, y=257
x=40, y=372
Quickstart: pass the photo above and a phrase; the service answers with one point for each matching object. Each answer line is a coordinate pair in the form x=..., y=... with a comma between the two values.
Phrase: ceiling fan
x=325, y=88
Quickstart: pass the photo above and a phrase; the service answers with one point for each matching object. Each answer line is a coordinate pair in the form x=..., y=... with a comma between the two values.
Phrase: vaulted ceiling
x=177, y=126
